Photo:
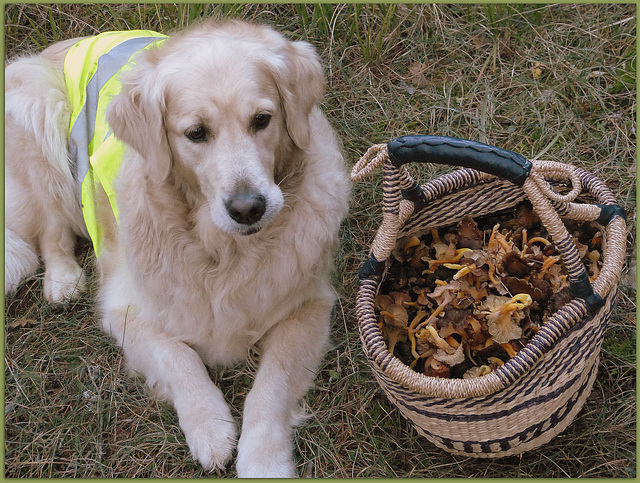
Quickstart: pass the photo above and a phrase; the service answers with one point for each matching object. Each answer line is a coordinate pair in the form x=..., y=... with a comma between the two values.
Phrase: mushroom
x=435, y=368
x=492, y=275
x=402, y=298
x=401, y=250
x=450, y=359
x=507, y=346
x=462, y=270
x=443, y=295
x=443, y=252
x=552, y=273
x=493, y=244
x=596, y=241
x=477, y=293
x=477, y=371
x=538, y=239
x=411, y=332
x=449, y=255
x=382, y=301
x=503, y=243
x=525, y=216
x=477, y=333
x=452, y=341
x=537, y=288
x=395, y=314
x=417, y=260
x=429, y=333
x=422, y=298
x=594, y=258
x=503, y=314
x=515, y=265
x=410, y=241
x=468, y=235
x=456, y=315
x=395, y=319
x=395, y=335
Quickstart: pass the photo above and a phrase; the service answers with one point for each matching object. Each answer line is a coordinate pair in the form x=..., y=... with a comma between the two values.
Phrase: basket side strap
x=613, y=256
x=550, y=204
x=396, y=184
x=602, y=214
x=580, y=285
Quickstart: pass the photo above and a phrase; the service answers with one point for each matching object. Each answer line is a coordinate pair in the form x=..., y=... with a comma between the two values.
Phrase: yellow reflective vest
x=92, y=69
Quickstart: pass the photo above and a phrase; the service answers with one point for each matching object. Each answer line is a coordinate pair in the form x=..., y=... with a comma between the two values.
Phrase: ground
x=554, y=82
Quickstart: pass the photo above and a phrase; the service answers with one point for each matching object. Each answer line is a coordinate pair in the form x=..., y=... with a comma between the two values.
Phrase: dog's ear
x=136, y=116
x=300, y=82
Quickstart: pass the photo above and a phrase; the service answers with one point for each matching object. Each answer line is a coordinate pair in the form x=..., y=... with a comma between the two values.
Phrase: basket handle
x=460, y=152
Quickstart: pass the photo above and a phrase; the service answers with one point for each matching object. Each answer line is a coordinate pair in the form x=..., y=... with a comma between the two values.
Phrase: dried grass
x=71, y=410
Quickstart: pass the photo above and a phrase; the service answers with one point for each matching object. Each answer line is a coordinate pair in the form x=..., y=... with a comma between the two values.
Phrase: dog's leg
x=175, y=372
x=40, y=204
x=20, y=260
x=291, y=354
x=64, y=279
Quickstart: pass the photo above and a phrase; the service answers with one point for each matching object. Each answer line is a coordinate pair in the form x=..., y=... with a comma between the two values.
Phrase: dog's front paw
x=269, y=457
x=211, y=440
x=63, y=283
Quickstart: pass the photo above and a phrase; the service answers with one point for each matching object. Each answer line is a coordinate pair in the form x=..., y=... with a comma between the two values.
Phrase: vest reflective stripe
x=92, y=69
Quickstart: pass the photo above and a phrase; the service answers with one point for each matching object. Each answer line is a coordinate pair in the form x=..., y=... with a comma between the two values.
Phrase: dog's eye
x=197, y=134
x=261, y=121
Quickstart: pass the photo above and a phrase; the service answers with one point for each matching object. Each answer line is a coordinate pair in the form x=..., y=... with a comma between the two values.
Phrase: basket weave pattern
x=536, y=394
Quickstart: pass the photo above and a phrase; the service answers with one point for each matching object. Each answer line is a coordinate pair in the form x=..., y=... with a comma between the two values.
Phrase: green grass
x=71, y=409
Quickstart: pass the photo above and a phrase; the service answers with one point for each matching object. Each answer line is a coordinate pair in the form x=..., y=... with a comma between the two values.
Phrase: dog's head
x=224, y=105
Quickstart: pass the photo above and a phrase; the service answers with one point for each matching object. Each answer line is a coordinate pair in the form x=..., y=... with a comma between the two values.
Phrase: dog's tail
x=36, y=99
x=20, y=261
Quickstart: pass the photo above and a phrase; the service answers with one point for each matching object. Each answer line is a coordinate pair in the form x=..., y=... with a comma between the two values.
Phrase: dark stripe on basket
x=402, y=398
x=532, y=432
x=561, y=207
x=524, y=436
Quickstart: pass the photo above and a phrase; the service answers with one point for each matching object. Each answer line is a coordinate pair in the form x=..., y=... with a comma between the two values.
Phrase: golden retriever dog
x=230, y=196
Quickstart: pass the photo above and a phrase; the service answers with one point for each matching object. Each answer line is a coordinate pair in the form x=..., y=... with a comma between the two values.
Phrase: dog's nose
x=246, y=208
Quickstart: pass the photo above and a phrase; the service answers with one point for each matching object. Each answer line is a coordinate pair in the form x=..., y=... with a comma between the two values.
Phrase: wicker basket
x=536, y=394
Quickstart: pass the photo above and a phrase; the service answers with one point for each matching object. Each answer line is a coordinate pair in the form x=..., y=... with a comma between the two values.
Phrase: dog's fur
x=184, y=285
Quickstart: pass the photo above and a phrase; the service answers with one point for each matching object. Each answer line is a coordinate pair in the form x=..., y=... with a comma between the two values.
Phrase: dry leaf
x=22, y=323
x=537, y=69
x=416, y=74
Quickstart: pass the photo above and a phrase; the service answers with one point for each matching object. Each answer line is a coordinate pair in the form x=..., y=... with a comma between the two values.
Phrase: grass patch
x=553, y=82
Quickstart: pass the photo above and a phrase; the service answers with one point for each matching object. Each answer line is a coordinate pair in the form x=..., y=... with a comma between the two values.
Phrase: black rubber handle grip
x=460, y=152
